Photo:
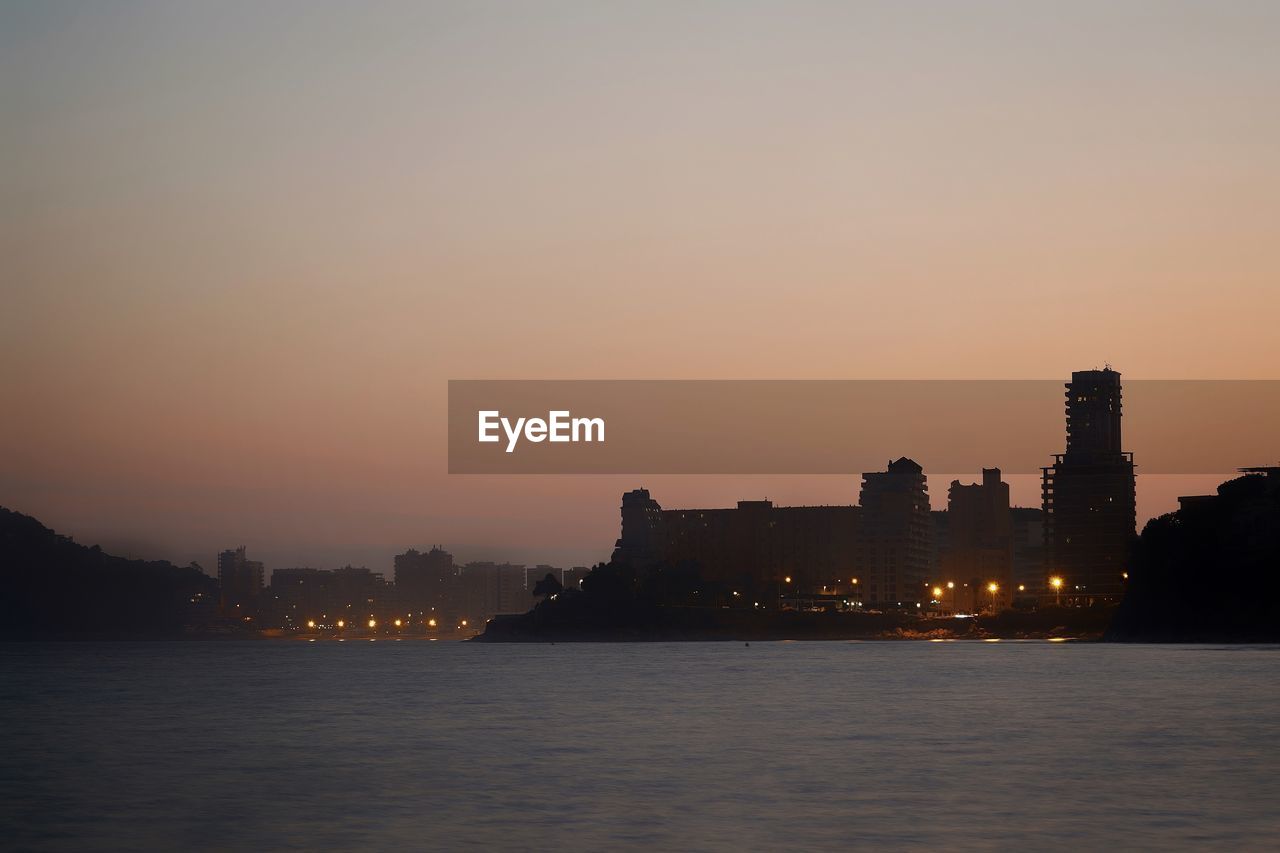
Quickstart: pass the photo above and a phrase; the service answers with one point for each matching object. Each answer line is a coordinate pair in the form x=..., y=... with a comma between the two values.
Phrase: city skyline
x=639, y=425
x=710, y=491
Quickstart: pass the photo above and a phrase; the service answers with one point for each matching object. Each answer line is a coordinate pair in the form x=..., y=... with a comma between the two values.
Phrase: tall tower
x=1090, y=510
x=1093, y=415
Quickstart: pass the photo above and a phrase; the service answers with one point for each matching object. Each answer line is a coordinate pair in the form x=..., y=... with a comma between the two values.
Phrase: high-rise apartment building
x=1090, y=510
x=895, y=537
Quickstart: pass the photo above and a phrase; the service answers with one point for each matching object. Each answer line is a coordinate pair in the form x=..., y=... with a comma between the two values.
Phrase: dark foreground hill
x=1209, y=572
x=52, y=587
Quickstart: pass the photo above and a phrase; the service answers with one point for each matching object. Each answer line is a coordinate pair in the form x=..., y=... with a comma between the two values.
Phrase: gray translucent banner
x=842, y=426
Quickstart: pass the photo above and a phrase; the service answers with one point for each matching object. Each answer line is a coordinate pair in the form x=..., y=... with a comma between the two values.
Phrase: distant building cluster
x=429, y=594
x=892, y=550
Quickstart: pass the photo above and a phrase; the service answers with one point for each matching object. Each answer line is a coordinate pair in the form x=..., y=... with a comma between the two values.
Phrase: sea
x=417, y=745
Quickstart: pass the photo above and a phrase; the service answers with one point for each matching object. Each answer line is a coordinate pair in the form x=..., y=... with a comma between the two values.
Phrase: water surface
x=697, y=746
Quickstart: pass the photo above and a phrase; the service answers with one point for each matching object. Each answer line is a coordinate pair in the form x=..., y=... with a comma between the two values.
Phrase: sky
x=247, y=244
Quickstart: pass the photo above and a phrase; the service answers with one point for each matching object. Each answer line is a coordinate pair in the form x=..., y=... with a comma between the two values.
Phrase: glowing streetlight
x=787, y=579
x=1056, y=583
x=993, y=588
x=342, y=623
x=373, y=623
x=398, y=623
x=311, y=623
x=937, y=593
x=431, y=623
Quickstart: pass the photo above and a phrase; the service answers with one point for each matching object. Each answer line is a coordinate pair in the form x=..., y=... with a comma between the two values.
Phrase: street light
x=993, y=588
x=1056, y=583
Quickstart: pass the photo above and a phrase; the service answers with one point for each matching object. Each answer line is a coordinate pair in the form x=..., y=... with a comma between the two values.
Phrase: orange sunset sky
x=247, y=244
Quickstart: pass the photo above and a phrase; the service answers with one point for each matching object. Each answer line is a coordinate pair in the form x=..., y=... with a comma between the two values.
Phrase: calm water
x=689, y=747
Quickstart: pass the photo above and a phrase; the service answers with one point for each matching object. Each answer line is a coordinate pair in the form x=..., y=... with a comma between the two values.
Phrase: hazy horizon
x=1156, y=494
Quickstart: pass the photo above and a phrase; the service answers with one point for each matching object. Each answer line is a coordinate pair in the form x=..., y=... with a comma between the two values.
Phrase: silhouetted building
x=240, y=583
x=1029, y=577
x=425, y=581
x=365, y=593
x=941, y=541
x=300, y=595
x=485, y=589
x=879, y=553
x=894, y=539
x=352, y=595
x=1026, y=525
x=757, y=550
x=642, y=542
x=1089, y=495
x=979, y=551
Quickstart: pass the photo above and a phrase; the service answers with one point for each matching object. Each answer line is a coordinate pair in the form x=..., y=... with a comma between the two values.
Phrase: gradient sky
x=246, y=244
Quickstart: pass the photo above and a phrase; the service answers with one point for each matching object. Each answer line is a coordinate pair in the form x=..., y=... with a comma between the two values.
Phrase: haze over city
x=248, y=244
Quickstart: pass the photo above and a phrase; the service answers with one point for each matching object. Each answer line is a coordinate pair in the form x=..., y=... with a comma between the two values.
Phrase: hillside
x=54, y=587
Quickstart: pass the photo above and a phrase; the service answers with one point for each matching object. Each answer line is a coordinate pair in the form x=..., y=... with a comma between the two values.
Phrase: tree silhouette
x=548, y=587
